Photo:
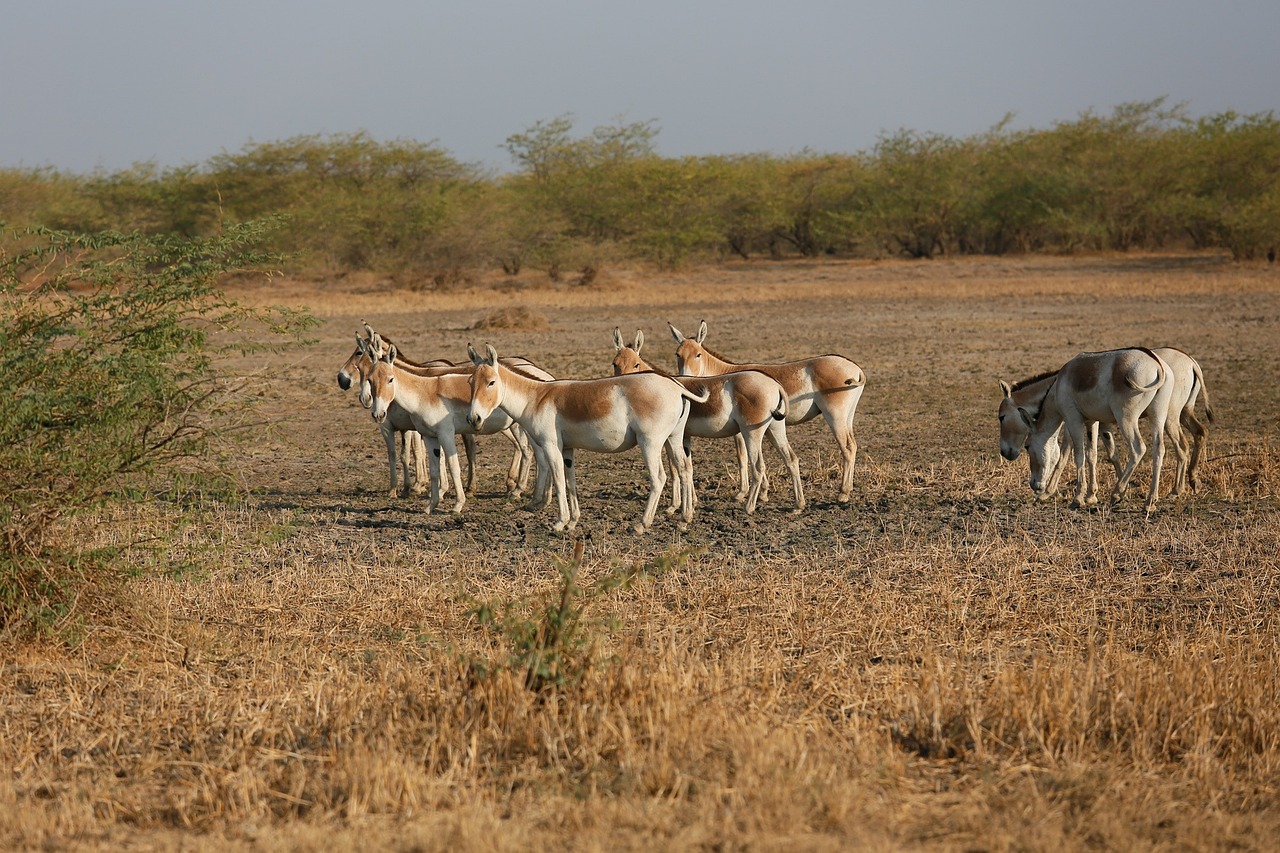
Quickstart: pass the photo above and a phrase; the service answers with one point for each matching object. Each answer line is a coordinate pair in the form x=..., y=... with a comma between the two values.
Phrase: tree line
x=1146, y=176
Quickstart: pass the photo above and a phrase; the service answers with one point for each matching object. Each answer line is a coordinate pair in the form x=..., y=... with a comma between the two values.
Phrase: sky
x=91, y=85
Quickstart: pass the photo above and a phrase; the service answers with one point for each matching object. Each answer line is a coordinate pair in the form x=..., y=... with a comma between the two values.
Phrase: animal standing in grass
x=1187, y=434
x=827, y=385
x=745, y=405
x=1113, y=387
x=644, y=410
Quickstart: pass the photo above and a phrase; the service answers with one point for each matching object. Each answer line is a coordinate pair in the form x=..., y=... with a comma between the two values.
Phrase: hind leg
x=841, y=424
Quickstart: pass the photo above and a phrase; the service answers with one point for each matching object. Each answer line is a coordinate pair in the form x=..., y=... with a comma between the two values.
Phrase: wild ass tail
x=1160, y=373
x=780, y=411
x=687, y=393
x=1204, y=390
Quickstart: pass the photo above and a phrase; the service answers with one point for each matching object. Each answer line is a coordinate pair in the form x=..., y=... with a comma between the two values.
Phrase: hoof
x=639, y=529
x=844, y=497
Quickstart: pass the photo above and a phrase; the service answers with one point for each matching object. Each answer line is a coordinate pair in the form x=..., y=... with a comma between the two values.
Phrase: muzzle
x=344, y=381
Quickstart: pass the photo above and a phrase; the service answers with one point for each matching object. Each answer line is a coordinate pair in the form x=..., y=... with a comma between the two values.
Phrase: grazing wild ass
x=1113, y=387
x=438, y=407
x=830, y=385
x=745, y=405
x=645, y=410
x=1186, y=432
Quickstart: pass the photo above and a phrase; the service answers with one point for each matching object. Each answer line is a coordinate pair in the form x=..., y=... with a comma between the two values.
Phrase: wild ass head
x=486, y=385
x=691, y=357
x=627, y=358
x=378, y=381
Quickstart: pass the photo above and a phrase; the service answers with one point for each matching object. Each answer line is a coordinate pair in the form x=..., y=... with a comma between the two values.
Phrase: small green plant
x=556, y=645
x=107, y=345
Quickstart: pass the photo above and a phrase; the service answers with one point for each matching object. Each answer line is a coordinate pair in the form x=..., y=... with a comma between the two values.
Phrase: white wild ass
x=745, y=405
x=362, y=362
x=1113, y=387
x=438, y=407
x=1184, y=429
x=830, y=385
x=645, y=410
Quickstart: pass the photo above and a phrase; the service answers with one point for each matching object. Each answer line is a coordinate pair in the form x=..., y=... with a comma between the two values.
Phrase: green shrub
x=107, y=346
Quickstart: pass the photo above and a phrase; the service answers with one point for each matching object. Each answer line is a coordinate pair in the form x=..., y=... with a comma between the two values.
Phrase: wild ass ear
x=676, y=333
x=362, y=345
x=1006, y=389
x=390, y=355
x=474, y=356
x=491, y=355
x=617, y=340
x=368, y=330
x=639, y=341
x=702, y=332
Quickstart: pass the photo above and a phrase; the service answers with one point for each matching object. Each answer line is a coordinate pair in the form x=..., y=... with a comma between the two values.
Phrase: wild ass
x=397, y=425
x=645, y=410
x=361, y=364
x=744, y=405
x=1113, y=387
x=1188, y=385
x=438, y=407
x=830, y=385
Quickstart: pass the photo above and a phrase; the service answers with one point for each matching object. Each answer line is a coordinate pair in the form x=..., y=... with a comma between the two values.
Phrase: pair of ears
x=679, y=336
x=618, y=344
x=490, y=357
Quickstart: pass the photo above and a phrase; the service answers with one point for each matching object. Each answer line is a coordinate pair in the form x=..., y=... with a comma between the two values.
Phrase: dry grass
x=941, y=665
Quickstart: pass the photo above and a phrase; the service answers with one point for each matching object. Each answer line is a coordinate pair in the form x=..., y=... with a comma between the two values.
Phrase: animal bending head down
x=486, y=385
x=1016, y=422
x=627, y=358
x=691, y=357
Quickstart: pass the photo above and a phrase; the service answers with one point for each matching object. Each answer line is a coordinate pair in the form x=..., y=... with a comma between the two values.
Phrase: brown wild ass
x=830, y=385
x=361, y=364
x=745, y=405
x=645, y=410
x=438, y=407
x=412, y=451
x=1113, y=387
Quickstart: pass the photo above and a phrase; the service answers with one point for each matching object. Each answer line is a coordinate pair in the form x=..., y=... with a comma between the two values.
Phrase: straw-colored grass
x=942, y=664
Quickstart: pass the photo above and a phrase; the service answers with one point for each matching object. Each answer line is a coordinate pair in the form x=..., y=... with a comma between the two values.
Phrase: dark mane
x=649, y=368
x=1023, y=383
x=519, y=369
x=715, y=354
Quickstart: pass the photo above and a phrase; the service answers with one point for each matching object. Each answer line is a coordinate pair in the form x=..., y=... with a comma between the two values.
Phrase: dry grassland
x=941, y=664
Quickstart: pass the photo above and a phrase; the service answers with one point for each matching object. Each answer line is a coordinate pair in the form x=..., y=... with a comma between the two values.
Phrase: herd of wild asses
x=427, y=405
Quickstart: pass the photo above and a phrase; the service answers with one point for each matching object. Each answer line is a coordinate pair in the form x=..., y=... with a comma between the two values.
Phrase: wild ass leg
x=1160, y=426
x=1133, y=439
x=677, y=459
x=571, y=480
x=652, y=453
x=744, y=468
x=389, y=437
x=514, y=470
x=1199, y=432
x=449, y=446
x=437, y=482
x=469, y=442
x=839, y=417
x=554, y=456
x=753, y=440
x=777, y=431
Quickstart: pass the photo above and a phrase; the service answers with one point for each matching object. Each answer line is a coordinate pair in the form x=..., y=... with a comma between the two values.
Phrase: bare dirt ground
x=940, y=663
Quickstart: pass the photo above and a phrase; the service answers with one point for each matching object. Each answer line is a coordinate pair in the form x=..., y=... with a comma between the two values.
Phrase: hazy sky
x=88, y=84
